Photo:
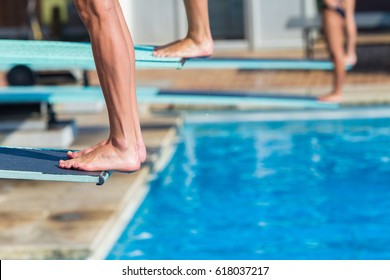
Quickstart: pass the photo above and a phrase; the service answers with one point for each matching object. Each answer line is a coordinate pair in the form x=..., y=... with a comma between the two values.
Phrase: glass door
x=227, y=19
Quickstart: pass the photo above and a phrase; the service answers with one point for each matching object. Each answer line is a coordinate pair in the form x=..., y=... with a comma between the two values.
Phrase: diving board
x=54, y=55
x=50, y=94
x=259, y=64
x=152, y=95
x=231, y=98
x=42, y=164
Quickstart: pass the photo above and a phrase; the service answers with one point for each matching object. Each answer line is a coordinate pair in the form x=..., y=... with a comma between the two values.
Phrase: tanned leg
x=351, y=30
x=135, y=118
x=333, y=25
x=115, y=67
x=198, y=41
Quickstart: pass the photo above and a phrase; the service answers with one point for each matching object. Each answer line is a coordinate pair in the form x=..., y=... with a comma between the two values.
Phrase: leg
x=135, y=118
x=351, y=31
x=334, y=32
x=198, y=41
x=114, y=64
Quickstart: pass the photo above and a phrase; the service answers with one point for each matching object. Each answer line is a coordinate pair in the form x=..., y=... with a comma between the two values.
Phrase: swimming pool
x=269, y=190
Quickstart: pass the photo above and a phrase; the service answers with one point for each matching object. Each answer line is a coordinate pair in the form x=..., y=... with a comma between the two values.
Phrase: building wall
x=155, y=21
x=373, y=5
x=271, y=26
x=13, y=13
x=161, y=21
x=265, y=21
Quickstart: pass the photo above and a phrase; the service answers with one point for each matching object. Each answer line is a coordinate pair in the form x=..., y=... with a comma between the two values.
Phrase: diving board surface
x=259, y=64
x=230, y=98
x=42, y=164
x=152, y=95
x=50, y=55
x=53, y=55
x=50, y=94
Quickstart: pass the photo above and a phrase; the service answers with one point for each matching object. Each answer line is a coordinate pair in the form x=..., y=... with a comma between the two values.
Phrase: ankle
x=119, y=143
x=336, y=93
x=200, y=38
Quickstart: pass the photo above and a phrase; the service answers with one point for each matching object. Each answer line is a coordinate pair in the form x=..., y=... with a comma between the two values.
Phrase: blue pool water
x=276, y=190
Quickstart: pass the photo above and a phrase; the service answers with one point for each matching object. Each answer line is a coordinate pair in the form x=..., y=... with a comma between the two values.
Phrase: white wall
x=269, y=23
x=162, y=21
x=127, y=11
x=155, y=21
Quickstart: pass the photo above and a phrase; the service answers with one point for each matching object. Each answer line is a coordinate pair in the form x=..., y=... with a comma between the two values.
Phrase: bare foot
x=332, y=97
x=105, y=157
x=351, y=59
x=186, y=48
x=141, y=151
x=157, y=48
x=73, y=155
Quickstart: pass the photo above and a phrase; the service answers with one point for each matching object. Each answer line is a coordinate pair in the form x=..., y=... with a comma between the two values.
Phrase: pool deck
x=46, y=220
x=55, y=220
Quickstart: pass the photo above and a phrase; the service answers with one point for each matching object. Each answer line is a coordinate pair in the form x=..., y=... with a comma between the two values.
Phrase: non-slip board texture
x=42, y=164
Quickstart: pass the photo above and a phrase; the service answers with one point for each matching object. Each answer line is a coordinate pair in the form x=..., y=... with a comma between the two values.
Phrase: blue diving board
x=50, y=94
x=42, y=164
x=152, y=95
x=54, y=55
x=229, y=98
x=259, y=64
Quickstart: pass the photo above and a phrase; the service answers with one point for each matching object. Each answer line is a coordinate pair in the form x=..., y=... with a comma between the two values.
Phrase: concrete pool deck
x=55, y=220
x=49, y=220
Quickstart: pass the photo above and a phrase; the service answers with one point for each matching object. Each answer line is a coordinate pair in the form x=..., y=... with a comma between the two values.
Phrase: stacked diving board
x=152, y=95
x=50, y=94
x=259, y=64
x=51, y=55
x=229, y=98
x=42, y=164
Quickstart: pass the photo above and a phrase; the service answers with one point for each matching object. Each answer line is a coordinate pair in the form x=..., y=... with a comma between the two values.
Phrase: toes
x=76, y=165
x=71, y=154
x=82, y=167
x=161, y=54
x=62, y=164
x=66, y=164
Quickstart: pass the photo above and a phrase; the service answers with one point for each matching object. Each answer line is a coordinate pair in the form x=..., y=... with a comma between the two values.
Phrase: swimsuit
x=338, y=9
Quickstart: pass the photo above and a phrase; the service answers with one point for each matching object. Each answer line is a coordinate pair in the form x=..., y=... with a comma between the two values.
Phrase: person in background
x=340, y=32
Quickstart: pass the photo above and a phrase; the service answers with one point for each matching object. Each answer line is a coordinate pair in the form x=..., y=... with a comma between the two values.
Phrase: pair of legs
x=113, y=51
x=198, y=42
x=337, y=27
